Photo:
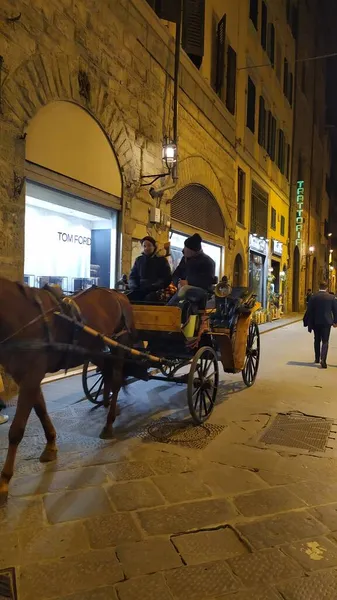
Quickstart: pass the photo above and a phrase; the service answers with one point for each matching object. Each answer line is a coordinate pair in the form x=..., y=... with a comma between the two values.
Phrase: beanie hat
x=150, y=239
x=194, y=242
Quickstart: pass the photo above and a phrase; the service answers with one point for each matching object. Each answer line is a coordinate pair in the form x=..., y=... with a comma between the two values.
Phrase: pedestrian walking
x=308, y=296
x=320, y=316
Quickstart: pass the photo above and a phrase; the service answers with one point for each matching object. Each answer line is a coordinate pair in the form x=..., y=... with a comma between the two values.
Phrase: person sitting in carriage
x=150, y=273
x=196, y=269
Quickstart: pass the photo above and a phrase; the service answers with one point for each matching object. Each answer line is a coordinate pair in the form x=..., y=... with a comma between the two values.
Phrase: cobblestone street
x=214, y=514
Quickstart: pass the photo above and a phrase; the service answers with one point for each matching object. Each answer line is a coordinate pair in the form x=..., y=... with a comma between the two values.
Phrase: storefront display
x=68, y=241
x=176, y=247
x=258, y=252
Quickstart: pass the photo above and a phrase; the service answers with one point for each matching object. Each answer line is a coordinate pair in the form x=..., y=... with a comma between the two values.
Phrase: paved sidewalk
x=215, y=514
x=288, y=319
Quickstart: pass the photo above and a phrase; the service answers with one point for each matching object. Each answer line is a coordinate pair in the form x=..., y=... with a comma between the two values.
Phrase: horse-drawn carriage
x=190, y=341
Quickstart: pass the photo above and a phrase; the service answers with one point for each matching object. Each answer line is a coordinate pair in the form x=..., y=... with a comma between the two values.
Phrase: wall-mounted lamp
x=311, y=249
x=329, y=234
x=169, y=153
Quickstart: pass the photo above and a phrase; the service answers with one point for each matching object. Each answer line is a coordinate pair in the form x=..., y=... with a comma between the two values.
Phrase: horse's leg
x=50, y=451
x=26, y=400
x=116, y=379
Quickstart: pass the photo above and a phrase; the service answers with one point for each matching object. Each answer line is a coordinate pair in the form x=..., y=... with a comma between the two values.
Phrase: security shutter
x=193, y=30
x=195, y=206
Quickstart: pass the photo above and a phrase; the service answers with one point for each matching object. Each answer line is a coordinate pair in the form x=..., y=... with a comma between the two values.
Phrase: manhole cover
x=298, y=431
x=8, y=584
x=181, y=433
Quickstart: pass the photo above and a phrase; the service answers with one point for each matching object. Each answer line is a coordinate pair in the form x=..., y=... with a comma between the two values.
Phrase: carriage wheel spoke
x=197, y=399
x=209, y=397
x=99, y=389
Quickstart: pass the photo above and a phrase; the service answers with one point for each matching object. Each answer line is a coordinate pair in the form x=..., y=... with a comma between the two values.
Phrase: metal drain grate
x=298, y=431
x=8, y=589
x=181, y=433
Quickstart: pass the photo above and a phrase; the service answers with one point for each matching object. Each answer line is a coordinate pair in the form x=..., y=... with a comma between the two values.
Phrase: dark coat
x=322, y=310
x=199, y=271
x=150, y=273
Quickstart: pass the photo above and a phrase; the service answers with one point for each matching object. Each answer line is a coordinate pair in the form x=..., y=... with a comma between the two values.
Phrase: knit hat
x=150, y=239
x=194, y=242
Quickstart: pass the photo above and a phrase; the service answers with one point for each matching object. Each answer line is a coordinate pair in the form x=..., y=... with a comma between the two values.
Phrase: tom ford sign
x=74, y=239
x=299, y=212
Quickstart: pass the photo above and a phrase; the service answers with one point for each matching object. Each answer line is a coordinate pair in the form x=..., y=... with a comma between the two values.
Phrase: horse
x=35, y=340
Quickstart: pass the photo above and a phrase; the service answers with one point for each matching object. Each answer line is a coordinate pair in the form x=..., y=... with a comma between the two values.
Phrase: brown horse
x=31, y=338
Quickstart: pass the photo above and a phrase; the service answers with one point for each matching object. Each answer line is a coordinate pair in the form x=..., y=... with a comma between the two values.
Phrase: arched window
x=238, y=271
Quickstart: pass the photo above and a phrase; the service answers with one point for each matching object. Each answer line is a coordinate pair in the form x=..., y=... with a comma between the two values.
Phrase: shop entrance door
x=256, y=275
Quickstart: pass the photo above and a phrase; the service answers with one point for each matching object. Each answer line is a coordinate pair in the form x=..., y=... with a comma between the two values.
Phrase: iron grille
x=197, y=207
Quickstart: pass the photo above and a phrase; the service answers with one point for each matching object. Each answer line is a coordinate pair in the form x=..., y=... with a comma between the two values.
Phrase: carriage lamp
x=311, y=249
x=169, y=153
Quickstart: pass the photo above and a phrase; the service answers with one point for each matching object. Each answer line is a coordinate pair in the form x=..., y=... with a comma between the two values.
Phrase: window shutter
x=285, y=78
x=288, y=162
x=152, y=3
x=278, y=61
x=262, y=122
x=273, y=138
x=231, y=80
x=220, y=55
x=290, y=88
x=167, y=10
x=271, y=43
x=193, y=29
x=251, y=105
x=264, y=21
x=294, y=21
x=254, y=11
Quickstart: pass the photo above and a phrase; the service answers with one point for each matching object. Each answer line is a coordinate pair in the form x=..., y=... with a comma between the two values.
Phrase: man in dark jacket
x=195, y=269
x=320, y=316
x=150, y=273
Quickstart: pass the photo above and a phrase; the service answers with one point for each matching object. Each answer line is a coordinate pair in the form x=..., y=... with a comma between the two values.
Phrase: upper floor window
x=219, y=59
x=278, y=62
x=271, y=43
x=287, y=165
x=273, y=219
x=262, y=123
x=283, y=226
x=231, y=80
x=281, y=152
x=288, y=82
x=264, y=24
x=193, y=30
x=241, y=196
x=254, y=12
x=271, y=139
x=251, y=99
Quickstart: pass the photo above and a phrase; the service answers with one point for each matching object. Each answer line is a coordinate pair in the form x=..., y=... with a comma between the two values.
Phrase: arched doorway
x=238, y=271
x=195, y=209
x=314, y=275
x=73, y=195
x=296, y=279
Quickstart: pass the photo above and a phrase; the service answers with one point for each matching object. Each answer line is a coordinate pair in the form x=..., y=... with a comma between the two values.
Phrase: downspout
x=159, y=192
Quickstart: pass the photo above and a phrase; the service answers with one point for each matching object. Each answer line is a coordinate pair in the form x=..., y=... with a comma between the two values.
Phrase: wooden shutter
x=251, y=105
x=290, y=88
x=262, y=122
x=254, y=11
x=167, y=10
x=285, y=77
x=264, y=24
x=193, y=30
x=271, y=43
x=220, y=55
x=273, y=138
x=231, y=80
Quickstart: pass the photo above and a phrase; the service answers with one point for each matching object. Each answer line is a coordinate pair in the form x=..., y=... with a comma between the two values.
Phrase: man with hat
x=196, y=269
x=150, y=272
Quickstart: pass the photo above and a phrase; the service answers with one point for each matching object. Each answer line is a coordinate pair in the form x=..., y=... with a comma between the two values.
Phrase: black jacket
x=150, y=273
x=199, y=271
x=322, y=310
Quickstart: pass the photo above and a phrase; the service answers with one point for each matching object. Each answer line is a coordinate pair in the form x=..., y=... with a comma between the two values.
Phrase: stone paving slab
x=21, y=513
x=327, y=515
x=218, y=544
x=274, y=478
x=111, y=530
x=167, y=463
x=282, y=529
x=314, y=554
x=314, y=492
x=74, y=574
x=229, y=481
x=150, y=556
x=78, y=504
x=106, y=593
x=254, y=594
x=321, y=586
x=201, y=581
x=264, y=567
x=135, y=495
x=269, y=501
x=182, y=487
x=185, y=517
x=9, y=550
x=126, y=471
x=52, y=542
x=48, y=481
x=150, y=587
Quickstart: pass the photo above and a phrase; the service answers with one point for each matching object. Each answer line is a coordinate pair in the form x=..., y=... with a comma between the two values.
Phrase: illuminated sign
x=257, y=244
x=299, y=211
x=277, y=248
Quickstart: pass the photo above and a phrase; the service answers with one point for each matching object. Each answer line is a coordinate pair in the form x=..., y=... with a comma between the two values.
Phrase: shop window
x=273, y=219
x=231, y=80
x=271, y=44
x=283, y=226
x=241, y=196
x=193, y=30
x=264, y=24
x=220, y=56
x=251, y=99
x=254, y=12
x=259, y=211
x=68, y=241
x=177, y=240
x=262, y=122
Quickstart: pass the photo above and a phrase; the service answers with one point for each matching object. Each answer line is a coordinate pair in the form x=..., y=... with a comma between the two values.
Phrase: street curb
x=281, y=326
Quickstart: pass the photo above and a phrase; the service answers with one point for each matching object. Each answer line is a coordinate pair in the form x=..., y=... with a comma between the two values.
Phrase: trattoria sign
x=299, y=212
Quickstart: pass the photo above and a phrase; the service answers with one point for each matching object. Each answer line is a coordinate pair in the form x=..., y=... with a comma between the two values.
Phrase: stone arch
x=239, y=251
x=196, y=169
x=48, y=78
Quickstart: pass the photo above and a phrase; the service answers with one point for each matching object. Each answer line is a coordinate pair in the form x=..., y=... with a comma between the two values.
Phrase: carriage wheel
x=92, y=382
x=202, y=387
x=252, y=360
